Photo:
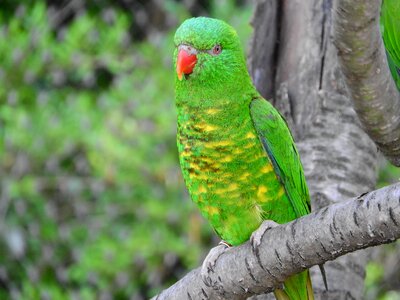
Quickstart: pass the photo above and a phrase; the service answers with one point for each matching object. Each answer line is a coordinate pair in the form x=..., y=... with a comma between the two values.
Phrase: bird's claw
x=211, y=260
x=256, y=236
x=225, y=244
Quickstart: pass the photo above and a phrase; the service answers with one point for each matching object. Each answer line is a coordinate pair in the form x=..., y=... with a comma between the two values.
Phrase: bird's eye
x=217, y=49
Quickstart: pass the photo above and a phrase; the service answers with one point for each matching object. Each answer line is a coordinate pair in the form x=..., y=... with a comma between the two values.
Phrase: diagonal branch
x=240, y=272
x=363, y=61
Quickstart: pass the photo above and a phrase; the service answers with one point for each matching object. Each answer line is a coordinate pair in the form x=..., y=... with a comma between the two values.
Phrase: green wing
x=279, y=146
x=390, y=27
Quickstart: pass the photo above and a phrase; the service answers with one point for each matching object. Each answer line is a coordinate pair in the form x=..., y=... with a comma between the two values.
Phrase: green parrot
x=237, y=155
x=390, y=28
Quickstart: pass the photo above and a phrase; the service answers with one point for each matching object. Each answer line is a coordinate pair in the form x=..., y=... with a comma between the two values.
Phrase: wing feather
x=278, y=144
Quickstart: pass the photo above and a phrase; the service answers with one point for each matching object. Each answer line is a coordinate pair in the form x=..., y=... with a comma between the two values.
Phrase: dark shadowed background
x=92, y=202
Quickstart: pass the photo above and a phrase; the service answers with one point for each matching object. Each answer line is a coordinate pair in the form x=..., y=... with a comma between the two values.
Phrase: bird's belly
x=231, y=182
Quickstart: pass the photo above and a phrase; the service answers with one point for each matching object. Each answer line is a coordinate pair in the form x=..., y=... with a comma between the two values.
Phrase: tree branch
x=240, y=272
x=263, y=65
x=363, y=61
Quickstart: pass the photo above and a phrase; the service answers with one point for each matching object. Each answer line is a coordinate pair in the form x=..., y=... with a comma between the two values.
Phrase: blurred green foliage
x=92, y=203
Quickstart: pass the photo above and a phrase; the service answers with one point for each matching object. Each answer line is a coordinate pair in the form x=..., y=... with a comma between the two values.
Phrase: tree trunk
x=299, y=71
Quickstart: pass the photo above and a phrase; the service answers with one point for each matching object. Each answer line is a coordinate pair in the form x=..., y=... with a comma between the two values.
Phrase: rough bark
x=266, y=26
x=368, y=220
x=363, y=61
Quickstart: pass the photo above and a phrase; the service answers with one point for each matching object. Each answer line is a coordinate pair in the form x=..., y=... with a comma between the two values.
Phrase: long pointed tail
x=297, y=287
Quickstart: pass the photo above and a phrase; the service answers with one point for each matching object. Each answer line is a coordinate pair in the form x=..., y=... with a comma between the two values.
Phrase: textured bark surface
x=253, y=268
x=363, y=61
x=264, y=43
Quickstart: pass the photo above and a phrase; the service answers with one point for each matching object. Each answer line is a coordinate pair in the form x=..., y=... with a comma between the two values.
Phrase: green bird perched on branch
x=237, y=155
x=390, y=27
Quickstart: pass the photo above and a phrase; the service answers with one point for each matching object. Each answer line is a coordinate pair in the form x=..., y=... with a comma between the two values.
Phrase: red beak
x=185, y=63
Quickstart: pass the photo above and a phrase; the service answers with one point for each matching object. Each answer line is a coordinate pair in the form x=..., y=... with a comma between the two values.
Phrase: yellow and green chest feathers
x=227, y=172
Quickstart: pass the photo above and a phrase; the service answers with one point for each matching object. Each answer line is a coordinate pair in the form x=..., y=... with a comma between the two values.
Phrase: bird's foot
x=222, y=242
x=256, y=236
x=211, y=260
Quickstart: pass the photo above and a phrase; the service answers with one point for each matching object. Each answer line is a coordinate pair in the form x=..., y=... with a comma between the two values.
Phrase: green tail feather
x=297, y=287
x=280, y=295
x=394, y=70
x=390, y=24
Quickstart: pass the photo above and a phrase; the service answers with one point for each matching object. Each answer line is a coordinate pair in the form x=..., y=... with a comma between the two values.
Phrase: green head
x=208, y=58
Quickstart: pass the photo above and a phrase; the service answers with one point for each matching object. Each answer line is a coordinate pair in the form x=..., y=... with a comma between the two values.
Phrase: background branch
x=363, y=62
x=369, y=220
